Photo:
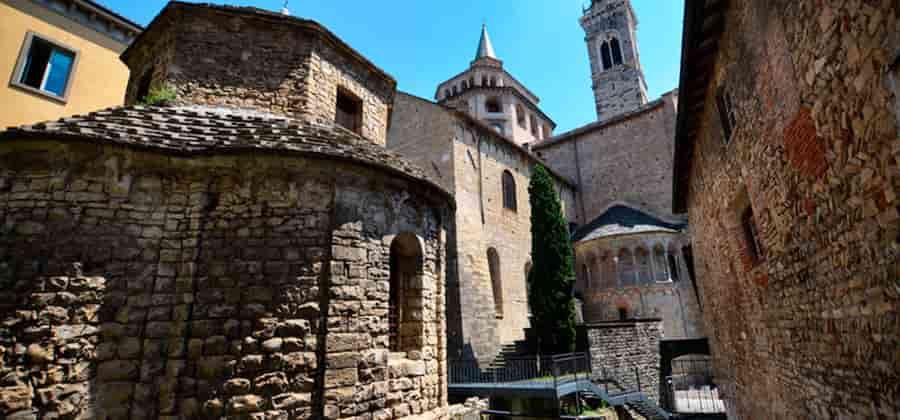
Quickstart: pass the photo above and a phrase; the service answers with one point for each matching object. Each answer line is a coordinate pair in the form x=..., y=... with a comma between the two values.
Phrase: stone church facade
x=633, y=254
x=489, y=251
x=485, y=131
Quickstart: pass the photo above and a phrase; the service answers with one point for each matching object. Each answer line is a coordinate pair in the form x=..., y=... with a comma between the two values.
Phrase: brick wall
x=627, y=352
x=219, y=286
x=809, y=329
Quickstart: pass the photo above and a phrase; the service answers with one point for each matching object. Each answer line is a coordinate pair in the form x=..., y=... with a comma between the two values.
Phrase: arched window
x=626, y=267
x=608, y=270
x=405, y=327
x=492, y=104
x=447, y=93
x=534, y=125
x=528, y=285
x=605, y=56
x=546, y=131
x=623, y=313
x=496, y=285
x=493, y=81
x=586, y=274
x=471, y=82
x=509, y=191
x=660, y=265
x=520, y=115
x=616, y=51
x=484, y=81
x=465, y=85
x=674, y=261
x=644, y=272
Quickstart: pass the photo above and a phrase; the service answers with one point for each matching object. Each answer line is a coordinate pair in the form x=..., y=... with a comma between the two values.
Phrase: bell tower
x=610, y=28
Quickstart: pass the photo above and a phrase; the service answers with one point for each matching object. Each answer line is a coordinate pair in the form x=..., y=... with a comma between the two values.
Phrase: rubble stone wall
x=303, y=69
x=627, y=352
x=136, y=285
x=810, y=328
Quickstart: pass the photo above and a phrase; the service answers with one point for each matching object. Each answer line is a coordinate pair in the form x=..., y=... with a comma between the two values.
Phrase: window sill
x=43, y=94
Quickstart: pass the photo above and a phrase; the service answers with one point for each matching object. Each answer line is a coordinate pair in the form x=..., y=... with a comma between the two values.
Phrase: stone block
x=117, y=370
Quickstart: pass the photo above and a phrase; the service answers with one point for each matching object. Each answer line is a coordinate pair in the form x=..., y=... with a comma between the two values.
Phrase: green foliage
x=159, y=95
x=553, y=274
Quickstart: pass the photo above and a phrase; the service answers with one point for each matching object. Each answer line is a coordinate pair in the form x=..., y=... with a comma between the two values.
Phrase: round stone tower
x=244, y=247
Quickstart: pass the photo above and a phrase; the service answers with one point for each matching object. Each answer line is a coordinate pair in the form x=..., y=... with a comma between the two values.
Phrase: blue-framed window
x=45, y=67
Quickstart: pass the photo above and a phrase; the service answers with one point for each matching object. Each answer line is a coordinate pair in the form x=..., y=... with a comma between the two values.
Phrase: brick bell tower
x=610, y=28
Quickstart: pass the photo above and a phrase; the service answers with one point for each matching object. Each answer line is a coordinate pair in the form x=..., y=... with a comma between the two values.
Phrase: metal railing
x=548, y=371
x=691, y=387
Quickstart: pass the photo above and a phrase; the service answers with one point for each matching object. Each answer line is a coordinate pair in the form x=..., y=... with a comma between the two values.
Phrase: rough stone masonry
x=789, y=171
x=235, y=253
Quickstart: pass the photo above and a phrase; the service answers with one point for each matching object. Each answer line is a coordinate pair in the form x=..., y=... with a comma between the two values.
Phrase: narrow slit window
x=726, y=113
x=616, y=52
x=605, y=56
x=751, y=234
x=349, y=111
x=509, y=191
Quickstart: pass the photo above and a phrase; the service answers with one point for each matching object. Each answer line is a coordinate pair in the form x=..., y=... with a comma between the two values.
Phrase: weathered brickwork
x=628, y=158
x=214, y=287
x=808, y=326
x=469, y=159
x=628, y=352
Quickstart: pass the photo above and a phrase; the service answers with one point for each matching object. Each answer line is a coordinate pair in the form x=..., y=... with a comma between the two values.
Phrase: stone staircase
x=508, y=351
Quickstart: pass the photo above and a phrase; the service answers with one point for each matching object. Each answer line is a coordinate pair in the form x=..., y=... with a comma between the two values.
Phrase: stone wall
x=627, y=352
x=809, y=328
x=667, y=295
x=471, y=159
x=304, y=65
x=626, y=159
x=137, y=285
x=621, y=88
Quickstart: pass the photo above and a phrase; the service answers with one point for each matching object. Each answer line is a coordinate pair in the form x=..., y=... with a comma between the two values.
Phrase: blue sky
x=424, y=42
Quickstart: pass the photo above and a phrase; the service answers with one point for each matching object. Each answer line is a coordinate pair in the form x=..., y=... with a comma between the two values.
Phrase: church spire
x=485, y=49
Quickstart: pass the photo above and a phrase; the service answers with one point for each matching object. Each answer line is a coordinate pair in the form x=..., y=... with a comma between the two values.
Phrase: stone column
x=652, y=257
x=634, y=267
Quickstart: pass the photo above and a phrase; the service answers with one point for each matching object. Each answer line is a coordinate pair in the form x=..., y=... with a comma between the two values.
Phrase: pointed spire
x=485, y=49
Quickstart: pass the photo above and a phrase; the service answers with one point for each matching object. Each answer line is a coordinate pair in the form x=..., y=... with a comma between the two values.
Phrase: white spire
x=485, y=49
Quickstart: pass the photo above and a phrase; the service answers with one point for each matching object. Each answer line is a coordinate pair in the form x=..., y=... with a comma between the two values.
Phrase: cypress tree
x=552, y=274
